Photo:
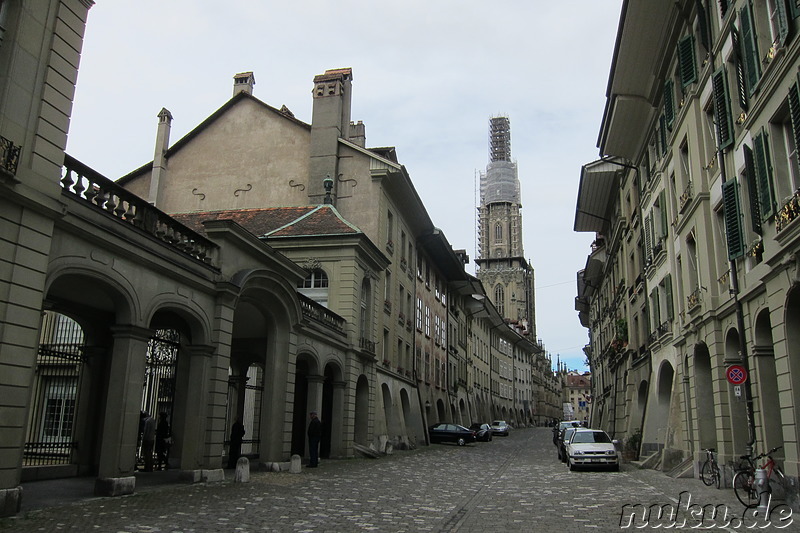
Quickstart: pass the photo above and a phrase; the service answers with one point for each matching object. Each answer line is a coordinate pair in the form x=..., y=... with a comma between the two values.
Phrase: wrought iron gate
x=59, y=364
x=158, y=392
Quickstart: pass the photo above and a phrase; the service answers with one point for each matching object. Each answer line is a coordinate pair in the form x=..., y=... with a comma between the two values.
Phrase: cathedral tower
x=506, y=275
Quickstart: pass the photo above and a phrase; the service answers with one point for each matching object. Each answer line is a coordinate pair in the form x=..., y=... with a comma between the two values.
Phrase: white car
x=591, y=447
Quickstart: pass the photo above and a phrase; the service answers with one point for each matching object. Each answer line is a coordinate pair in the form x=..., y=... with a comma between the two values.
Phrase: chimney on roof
x=243, y=83
x=358, y=134
x=160, y=156
x=330, y=121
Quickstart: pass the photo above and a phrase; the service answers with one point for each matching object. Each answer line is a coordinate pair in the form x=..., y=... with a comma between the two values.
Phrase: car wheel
x=572, y=466
x=461, y=441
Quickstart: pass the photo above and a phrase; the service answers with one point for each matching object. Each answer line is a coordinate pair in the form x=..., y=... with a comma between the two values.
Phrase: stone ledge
x=114, y=486
x=10, y=501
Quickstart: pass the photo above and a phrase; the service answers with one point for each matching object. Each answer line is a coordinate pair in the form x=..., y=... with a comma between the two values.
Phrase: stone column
x=122, y=407
x=191, y=407
x=341, y=417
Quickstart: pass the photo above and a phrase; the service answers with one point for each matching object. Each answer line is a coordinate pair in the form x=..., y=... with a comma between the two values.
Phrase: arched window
x=315, y=286
x=499, y=300
x=317, y=279
x=498, y=232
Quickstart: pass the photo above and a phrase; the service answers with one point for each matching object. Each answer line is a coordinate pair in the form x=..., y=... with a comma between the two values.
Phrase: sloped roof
x=274, y=222
x=284, y=112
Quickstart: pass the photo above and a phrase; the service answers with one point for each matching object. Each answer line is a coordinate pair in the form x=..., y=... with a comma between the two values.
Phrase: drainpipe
x=743, y=358
x=740, y=325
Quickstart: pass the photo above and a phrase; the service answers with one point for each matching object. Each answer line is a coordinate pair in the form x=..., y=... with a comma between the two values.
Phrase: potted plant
x=630, y=451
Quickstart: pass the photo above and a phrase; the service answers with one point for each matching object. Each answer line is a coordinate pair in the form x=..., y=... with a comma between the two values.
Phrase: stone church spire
x=506, y=275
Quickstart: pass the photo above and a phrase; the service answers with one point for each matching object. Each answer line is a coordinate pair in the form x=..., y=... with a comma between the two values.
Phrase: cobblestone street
x=510, y=484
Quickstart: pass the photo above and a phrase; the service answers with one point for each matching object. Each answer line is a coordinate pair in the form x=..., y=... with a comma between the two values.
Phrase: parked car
x=559, y=429
x=483, y=432
x=563, y=438
x=499, y=427
x=591, y=447
x=444, y=432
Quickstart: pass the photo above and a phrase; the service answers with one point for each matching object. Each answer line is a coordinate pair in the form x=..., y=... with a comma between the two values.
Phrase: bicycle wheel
x=706, y=473
x=715, y=475
x=744, y=488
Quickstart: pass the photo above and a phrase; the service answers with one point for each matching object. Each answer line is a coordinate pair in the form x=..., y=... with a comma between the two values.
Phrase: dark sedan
x=483, y=432
x=444, y=432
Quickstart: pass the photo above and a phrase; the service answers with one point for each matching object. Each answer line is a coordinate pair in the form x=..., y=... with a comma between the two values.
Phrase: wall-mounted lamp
x=427, y=404
x=327, y=183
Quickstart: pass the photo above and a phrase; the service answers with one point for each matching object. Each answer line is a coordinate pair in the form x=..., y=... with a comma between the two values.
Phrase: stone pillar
x=122, y=407
x=341, y=417
x=191, y=410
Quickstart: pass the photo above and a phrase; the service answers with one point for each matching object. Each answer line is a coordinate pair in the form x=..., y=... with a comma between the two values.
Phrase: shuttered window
x=668, y=295
x=763, y=166
x=794, y=111
x=781, y=21
x=733, y=217
x=662, y=204
x=723, y=8
x=752, y=190
x=750, y=56
x=741, y=83
x=722, y=109
x=669, y=103
x=686, y=60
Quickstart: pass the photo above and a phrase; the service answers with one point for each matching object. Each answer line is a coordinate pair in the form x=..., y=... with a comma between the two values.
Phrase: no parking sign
x=736, y=374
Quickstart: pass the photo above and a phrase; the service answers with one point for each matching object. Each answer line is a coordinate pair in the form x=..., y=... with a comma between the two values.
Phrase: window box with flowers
x=756, y=250
x=387, y=306
x=390, y=247
x=386, y=362
x=403, y=264
x=789, y=211
x=399, y=369
x=401, y=318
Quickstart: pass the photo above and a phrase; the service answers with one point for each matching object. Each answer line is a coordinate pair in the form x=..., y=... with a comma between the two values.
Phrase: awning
x=597, y=193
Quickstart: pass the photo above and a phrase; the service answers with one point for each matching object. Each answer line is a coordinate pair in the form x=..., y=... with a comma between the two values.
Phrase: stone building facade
x=258, y=268
x=694, y=269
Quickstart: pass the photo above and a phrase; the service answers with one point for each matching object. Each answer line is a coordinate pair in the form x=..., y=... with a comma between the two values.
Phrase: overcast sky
x=427, y=76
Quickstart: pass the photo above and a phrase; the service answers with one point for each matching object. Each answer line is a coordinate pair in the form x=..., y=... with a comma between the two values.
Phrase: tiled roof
x=274, y=222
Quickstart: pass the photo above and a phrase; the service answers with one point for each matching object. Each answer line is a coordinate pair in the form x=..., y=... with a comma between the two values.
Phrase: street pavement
x=513, y=483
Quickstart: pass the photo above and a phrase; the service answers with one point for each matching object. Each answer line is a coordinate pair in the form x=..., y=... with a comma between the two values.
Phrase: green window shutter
x=794, y=112
x=663, y=136
x=783, y=21
x=668, y=295
x=722, y=108
x=702, y=23
x=752, y=64
x=723, y=8
x=656, y=309
x=752, y=190
x=763, y=166
x=669, y=103
x=794, y=8
x=741, y=83
x=648, y=240
x=733, y=216
x=662, y=202
x=687, y=61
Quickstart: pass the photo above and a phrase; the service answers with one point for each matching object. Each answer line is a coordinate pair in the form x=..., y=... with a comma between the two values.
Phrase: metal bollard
x=762, y=488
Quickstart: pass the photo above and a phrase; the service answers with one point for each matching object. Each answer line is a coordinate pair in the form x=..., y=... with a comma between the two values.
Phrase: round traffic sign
x=736, y=374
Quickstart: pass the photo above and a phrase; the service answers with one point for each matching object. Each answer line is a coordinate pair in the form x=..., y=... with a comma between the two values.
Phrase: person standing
x=314, y=436
x=235, y=449
x=163, y=441
x=148, y=441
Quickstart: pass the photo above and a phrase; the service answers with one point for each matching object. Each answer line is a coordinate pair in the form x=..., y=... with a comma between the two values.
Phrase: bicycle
x=709, y=473
x=744, y=481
